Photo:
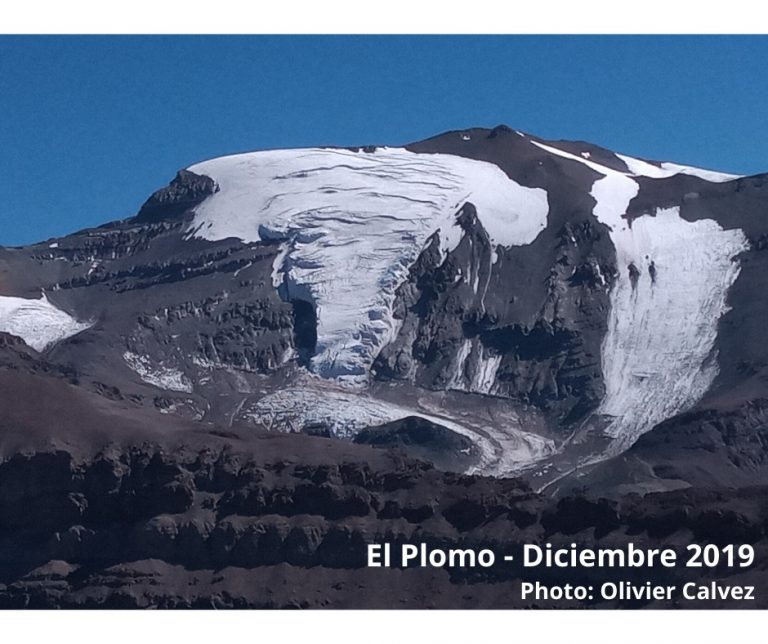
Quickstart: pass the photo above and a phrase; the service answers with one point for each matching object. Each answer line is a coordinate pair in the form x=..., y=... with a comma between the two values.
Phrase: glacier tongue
x=352, y=224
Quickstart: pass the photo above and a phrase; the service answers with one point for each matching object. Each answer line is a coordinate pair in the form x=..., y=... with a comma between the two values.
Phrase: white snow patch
x=353, y=223
x=641, y=168
x=597, y=167
x=475, y=280
x=708, y=175
x=157, y=375
x=38, y=322
x=241, y=269
x=599, y=272
x=457, y=377
x=203, y=363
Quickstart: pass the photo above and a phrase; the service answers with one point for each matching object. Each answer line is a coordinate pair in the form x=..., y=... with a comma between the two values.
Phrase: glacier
x=674, y=276
x=657, y=354
x=351, y=224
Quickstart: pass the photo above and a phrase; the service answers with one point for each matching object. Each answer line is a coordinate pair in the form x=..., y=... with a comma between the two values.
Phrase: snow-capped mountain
x=548, y=301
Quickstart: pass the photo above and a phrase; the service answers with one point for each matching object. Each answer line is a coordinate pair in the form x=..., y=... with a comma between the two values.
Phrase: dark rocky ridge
x=197, y=307
x=218, y=529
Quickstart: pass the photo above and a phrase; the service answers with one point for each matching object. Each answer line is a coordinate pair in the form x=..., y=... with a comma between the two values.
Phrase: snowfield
x=657, y=356
x=38, y=322
x=352, y=224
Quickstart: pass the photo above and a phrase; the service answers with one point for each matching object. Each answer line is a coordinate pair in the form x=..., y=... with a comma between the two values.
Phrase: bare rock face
x=462, y=326
x=542, y=311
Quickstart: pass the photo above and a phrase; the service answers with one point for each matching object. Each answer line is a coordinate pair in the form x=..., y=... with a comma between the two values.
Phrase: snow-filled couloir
x=352, y=224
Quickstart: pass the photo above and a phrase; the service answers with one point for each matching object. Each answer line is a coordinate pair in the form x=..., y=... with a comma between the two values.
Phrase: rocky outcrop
x=183, y=193
x=423, y=439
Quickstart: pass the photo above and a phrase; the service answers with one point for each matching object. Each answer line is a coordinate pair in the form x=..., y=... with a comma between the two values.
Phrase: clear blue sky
x=90, y=126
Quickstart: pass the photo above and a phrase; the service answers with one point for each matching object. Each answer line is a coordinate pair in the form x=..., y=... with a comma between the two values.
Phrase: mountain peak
x=482, y=274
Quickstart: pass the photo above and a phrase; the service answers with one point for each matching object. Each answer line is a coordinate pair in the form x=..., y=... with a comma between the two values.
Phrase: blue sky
x=91, y=126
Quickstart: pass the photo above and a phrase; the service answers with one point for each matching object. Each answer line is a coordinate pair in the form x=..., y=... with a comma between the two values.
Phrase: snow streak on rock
x=674, y=276
x=642, y=168
x=157, y=375
x=352, y=224
x=38, y=322
x=474, y=369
